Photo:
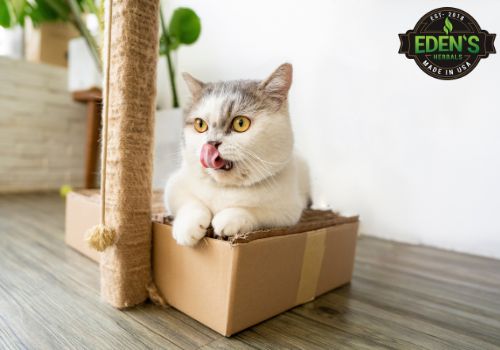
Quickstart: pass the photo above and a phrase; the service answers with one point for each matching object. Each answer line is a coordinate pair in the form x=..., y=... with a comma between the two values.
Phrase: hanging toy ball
x=100, y=237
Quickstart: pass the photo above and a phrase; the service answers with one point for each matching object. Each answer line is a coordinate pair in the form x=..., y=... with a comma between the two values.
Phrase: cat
x=239, y=172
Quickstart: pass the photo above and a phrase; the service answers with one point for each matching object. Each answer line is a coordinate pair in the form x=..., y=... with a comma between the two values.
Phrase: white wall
x=416, y=157
x=42, y=130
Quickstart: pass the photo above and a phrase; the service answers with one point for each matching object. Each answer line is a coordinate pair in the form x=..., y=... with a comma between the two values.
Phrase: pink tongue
x=210, y=157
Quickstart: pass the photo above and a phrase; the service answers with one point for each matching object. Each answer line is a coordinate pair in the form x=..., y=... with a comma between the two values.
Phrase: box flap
x=310, y=220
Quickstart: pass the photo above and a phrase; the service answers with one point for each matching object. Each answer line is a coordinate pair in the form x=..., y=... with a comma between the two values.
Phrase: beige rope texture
x=105, y=114
x=101, y=236
x=131, y=53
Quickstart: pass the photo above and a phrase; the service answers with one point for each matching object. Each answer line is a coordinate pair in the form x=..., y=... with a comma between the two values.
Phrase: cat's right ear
x=278, y=83
x=195, y=86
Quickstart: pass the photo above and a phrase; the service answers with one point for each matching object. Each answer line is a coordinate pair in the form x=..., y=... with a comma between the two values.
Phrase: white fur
x=267, y=187
x=195, y=200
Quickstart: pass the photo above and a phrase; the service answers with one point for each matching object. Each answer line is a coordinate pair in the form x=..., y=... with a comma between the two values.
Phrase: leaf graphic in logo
x=447, y=26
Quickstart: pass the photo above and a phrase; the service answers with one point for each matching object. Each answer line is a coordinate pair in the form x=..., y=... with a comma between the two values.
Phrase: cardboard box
x=82, y=212
x=48, y=43
x=232, y=285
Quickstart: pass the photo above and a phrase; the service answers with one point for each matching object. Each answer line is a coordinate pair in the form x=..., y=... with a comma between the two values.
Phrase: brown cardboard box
x=232, y=285
x=82, y=212
x=48, y=43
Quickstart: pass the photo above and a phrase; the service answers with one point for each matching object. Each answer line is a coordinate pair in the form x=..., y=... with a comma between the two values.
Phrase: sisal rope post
x=101, y=236
x=131, y=53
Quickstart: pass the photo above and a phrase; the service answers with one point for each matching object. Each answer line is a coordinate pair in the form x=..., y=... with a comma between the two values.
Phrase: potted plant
x=51, y=16
x=184, y=28
x=39, y=12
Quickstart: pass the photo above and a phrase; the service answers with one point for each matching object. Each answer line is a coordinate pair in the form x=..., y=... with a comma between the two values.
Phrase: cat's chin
x=227, y=176
x=232, y=177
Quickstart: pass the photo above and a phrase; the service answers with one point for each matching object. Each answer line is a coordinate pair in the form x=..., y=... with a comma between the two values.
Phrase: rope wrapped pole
x=131, y=52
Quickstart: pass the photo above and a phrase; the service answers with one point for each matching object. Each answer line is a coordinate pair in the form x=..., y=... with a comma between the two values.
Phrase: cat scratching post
x=130, y=60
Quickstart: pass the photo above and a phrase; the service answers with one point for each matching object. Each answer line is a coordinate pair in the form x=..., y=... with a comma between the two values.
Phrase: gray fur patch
x=240, y=97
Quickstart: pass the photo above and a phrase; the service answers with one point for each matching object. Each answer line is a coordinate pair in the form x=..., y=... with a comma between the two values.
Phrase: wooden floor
x=401, y=297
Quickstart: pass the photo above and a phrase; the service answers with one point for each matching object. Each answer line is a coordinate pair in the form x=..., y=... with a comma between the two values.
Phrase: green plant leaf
x=184, y=28
x=21, y=9
x=18, y=5
x=42, y=11
x=448, y=27
x=174, y=43
x=5, y=18
x=90, y=7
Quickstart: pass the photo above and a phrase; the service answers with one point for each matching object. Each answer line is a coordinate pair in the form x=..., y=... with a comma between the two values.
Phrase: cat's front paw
x=190, y=226
x=231, y=221
x=187, y=232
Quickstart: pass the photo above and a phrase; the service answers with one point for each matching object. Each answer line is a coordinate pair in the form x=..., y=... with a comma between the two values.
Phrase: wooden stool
x=93, y=99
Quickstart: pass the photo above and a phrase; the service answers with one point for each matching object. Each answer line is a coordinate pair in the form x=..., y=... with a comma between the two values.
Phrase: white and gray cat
x=239, y=172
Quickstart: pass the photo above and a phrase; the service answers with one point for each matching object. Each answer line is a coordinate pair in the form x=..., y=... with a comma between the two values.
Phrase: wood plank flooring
x=401, y=297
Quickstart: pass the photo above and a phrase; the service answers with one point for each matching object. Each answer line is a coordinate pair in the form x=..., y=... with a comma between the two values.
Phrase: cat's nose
x=216, y=144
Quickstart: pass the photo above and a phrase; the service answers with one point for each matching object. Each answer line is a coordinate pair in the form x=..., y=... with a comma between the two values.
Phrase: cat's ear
x=195, y=86
x=278, y=83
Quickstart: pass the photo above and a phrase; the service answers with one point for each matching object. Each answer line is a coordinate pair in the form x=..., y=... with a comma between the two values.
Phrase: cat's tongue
x=210, y=157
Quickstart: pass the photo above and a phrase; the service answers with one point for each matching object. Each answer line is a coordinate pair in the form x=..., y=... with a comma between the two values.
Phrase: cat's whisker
x=262, y=166
x=266, y=179
x=252, y=154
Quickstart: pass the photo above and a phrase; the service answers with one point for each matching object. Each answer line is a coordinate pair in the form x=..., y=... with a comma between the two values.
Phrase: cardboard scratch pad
x=230, y=285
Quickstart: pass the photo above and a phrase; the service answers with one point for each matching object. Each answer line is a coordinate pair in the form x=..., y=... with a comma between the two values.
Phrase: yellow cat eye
x=200, y=125
x=241, y=123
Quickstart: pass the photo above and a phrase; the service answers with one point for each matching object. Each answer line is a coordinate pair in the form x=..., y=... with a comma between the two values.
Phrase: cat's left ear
x=278, y=83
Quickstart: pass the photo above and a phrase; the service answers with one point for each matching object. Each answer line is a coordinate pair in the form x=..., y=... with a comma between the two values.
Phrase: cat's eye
x=241, y=123
x=200, y=125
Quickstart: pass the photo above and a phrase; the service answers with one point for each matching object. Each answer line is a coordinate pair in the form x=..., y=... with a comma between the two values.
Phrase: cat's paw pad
x=189, y=231
x=228, y=223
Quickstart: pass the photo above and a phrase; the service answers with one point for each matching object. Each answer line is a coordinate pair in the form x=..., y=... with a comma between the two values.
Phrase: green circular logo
x=447, y=43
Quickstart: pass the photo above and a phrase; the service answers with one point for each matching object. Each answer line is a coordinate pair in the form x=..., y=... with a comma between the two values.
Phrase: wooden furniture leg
x=92, y=145
x=93, y=99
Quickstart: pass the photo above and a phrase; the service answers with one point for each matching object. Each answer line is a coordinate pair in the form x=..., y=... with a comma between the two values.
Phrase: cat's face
x=239, y=132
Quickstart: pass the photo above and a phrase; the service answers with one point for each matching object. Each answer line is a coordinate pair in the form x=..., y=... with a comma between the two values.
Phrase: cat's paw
x=231, y=221
x=188, y=232
x=188, y=229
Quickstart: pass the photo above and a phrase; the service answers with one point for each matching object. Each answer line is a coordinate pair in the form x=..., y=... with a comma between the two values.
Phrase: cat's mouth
x=228, y=165
x=222, y=164
x=211, y=158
